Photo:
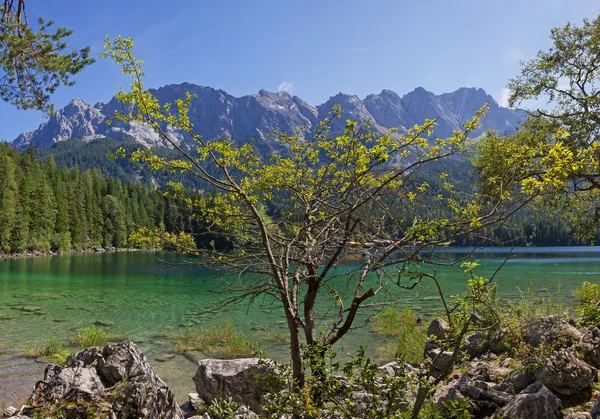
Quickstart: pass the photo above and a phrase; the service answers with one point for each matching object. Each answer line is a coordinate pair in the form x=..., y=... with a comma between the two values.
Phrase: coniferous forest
x=47, y=208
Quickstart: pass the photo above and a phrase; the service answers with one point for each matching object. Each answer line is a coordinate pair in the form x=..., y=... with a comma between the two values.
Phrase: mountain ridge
x=215, y=113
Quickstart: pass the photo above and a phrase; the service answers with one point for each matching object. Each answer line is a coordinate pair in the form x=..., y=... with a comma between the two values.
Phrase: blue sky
x=314, y=49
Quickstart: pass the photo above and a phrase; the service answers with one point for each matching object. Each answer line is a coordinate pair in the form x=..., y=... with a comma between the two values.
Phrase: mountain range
x=255, y=117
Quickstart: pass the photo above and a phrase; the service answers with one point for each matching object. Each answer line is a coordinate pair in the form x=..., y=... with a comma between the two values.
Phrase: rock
x=484, y=398
x=244, y=413
x=238, y=378
x=101, y=323
x=475, y=345
x=518, y=380
x=497, y=342
x=164, y=358
x=536, y=401
x=389, y=369
x=577, y=415
x=596, y=409
x=10, y=411
x=565, y=374
x=438, y=328
x=589, y=346
x=198, y=405
x=440, y=360
x=486, y=371
x=30, y=309
x=105, y=382
x=552, y=329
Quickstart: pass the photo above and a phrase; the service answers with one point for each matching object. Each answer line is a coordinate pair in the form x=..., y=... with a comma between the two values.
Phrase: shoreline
x=95, y=250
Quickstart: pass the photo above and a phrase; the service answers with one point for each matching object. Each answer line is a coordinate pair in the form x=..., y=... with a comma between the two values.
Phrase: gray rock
x=485, y=399
x=475, y=345
x=198, y=405
x=552, y=329
x=438, y=328
x=596, y=409
x=108, y=382
x=244, y=413
x=565, y=374
x=216, y=113
x=497, y=342
x=536, y=401
x=518, y=380
x=486, y=371
x=577, y=415
x=10, y=411
x=241, y=379
x=441, y=360
x=589, y=346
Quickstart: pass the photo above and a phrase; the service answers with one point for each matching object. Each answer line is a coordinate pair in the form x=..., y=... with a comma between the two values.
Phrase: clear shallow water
x=144, y=300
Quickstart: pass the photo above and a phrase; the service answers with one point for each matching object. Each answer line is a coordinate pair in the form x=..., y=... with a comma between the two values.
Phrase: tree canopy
x=296, y=216
x=34, y=59
x=556, y=152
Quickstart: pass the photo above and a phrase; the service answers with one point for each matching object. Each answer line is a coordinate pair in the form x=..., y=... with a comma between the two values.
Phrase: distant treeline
x=44, y=207
x=47, y=202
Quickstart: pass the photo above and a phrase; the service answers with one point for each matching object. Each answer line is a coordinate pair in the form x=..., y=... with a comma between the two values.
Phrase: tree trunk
x=296, y=352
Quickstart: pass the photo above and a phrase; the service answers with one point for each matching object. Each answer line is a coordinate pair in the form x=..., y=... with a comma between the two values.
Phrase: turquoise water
x=146, y=301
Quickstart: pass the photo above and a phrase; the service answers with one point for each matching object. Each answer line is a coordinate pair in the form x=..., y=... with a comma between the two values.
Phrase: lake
x=139, y=297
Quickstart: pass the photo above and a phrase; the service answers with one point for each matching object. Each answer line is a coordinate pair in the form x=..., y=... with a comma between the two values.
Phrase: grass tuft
x=221, y=340
x=90, y=336
x=408, y=336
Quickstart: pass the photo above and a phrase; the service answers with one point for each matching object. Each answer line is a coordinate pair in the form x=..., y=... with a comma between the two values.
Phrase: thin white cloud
x=503, y=97
x=286, y=87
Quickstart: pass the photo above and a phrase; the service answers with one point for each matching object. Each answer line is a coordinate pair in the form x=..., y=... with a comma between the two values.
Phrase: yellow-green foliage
x=586, y=304
x=54, y=348
x=218, y=340
x=407, y=335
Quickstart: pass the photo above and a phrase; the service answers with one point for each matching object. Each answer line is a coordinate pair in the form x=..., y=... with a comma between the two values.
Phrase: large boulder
x=554, y=330
x=565, y=374
x=245, y=380
x=484, y=398
x=589, y=346
x=536, y=401
x=518, y=380
x=114, y=381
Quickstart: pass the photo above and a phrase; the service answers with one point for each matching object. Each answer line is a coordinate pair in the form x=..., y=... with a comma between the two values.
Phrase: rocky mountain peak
x=214, y=113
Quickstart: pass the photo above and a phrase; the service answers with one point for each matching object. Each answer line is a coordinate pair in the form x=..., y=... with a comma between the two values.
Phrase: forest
x=44, y=207
x=50, y=203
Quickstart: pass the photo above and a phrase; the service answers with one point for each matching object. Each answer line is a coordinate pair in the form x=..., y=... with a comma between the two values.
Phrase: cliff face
x=256, y=117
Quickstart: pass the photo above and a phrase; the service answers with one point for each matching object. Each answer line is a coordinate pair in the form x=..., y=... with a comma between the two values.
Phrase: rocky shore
x=95, y=249
x=116, y=381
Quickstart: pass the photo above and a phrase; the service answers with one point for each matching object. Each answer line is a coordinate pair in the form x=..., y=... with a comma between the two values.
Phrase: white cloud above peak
x=503, y=97
x=286, y=87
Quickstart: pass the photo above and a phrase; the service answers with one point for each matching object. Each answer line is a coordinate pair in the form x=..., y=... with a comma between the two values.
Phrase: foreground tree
x=34, y=61
x=556, y=153
x=296, y=215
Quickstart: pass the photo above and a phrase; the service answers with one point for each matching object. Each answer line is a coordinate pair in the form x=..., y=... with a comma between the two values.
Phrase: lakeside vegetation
x=47, y=208
x=284, y=224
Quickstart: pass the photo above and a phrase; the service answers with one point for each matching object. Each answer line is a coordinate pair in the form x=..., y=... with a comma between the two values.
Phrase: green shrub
x=531, y=306
x=54, y=348
x=223, y=408
x=586, y=300
x=217, y=340
x=90, y=336
x=408, y=335
x=330, y=388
